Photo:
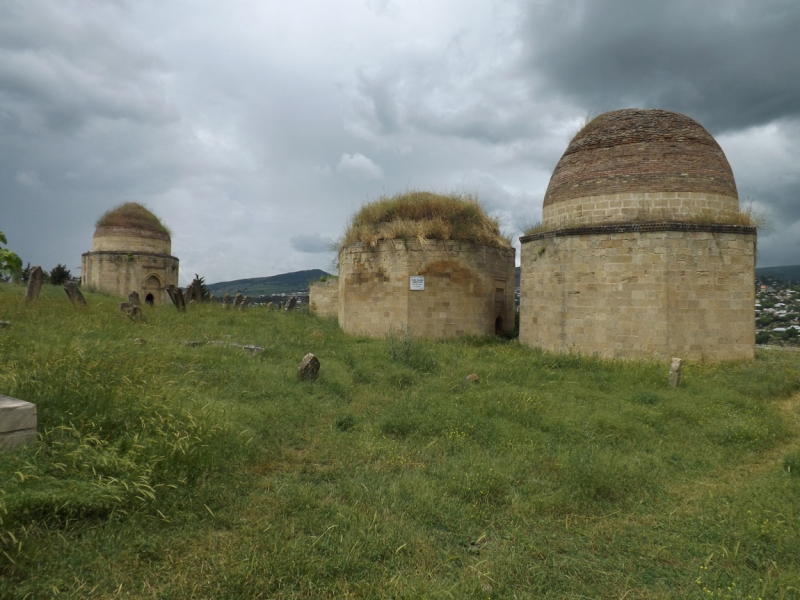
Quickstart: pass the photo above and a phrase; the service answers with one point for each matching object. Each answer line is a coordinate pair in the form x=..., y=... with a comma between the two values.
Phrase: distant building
x=131, y=251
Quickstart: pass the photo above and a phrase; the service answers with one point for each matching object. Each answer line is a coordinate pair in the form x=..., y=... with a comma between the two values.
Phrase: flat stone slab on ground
x=17, y=422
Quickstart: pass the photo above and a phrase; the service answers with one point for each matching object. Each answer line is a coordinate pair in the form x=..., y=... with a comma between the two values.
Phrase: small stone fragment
x=74, y=293
x=4, y=324
x=473, y=378
x=308, y=370
x=675, y=372
x=192, y=343
x=138, y=341
x=35, y=280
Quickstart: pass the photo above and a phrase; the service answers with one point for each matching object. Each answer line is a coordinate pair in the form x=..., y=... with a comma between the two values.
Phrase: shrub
x=60, y=275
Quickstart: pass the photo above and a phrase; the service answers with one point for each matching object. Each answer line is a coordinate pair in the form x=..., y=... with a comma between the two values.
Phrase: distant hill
x=787, y=273
x=285, y=283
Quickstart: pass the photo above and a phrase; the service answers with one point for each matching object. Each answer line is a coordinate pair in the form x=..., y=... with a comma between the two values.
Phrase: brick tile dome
x=131, y=227
x=650, y=155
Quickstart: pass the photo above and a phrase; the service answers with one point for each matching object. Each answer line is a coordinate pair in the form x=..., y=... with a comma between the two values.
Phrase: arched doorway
x=498, y=326
x=152, y=290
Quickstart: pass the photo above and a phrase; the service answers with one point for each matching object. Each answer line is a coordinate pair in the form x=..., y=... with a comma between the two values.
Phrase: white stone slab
x=16, y=415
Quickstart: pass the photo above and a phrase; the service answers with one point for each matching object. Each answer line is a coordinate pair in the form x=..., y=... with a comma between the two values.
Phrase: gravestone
x=197, y=291
x=188, y=295
x=17, y=422
x=675, y=372
x=292, y=303
x=308, y=369
x=74, y=293
x=35, y=280
x=133, y=298
x=243, y=303
x=226, y=300
x=176, y=295
x=238, y=300
x=270, y=305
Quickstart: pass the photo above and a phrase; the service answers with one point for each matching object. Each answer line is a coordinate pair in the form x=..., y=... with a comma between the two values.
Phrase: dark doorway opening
x=498, y=326
x=149, y=299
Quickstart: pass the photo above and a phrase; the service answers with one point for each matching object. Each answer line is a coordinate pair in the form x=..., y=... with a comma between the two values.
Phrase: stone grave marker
x=35, y=280
x=74, y=293
x=17, y=422
x=675, y=372
x=308, y=369
x=291, y=304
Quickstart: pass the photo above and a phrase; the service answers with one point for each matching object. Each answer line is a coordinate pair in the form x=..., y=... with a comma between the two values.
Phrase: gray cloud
x=312, y=243
x=729, y=65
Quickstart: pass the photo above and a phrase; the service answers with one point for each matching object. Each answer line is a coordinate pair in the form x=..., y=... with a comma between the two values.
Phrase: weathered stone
x=291, y=304
x=138, y=341
x=4, y=324
x=473, y=378
x=675, y=372
x=124, y=306
x=243, y=303
x=192, y=343
x=176, y=295
x=308, y=369
x=188, y=295
x=74, y=293
x=226, y=300
x=197, y=290
x=17, y=422
x=253, y=349
x=35, y=280
x=270, y=305
x=133, y=298
x=212, y=298
x=238, y=300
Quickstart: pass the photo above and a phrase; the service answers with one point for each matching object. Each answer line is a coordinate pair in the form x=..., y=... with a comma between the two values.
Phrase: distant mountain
x=285, y=283
x=787, y=273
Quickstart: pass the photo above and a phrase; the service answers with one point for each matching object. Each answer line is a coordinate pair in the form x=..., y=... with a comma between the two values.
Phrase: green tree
x=10, y=263
x=202, y=280
x=60, y=275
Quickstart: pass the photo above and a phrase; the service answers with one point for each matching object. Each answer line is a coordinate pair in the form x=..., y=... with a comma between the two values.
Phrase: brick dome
x=131, y=227
x=634, y=164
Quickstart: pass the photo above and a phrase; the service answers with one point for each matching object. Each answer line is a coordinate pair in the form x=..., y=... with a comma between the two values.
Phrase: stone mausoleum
x=433, y=266
x=642, y=251
x=131, y=251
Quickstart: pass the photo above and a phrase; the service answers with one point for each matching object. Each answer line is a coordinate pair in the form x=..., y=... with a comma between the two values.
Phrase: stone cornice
x=641, y=227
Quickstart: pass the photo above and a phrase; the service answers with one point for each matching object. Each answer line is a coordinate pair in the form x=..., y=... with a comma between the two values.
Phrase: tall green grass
x=170, y=470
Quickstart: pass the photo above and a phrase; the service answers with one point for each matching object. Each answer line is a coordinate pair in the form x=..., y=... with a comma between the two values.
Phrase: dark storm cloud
x=727, y=64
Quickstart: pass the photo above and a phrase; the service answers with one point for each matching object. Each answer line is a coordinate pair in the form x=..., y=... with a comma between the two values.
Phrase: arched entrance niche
x=152, y=290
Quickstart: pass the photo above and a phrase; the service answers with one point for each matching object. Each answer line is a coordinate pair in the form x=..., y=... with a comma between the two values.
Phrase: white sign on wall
x=417, y=283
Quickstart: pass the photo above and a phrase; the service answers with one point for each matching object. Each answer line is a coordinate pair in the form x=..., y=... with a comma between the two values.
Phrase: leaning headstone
x=292, y=303
x=176, y=295
x=675, y=372
x=238, y=300
x=17, y=422
x=74, y=293
x=308, y=369
x=188, y=295
x=133, y=298
x=226, y=300
x=35, y=280
x=243, y=303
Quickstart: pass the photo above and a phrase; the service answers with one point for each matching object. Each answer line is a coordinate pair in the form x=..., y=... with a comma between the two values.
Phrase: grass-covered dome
x=424, y=216
x=132, y=215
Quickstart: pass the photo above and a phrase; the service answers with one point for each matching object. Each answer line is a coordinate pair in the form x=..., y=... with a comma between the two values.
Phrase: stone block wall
x=641, y=292
x=120, y=273
x=323, y=297
x=131, y=240
x=642, y=206
x=467, y=287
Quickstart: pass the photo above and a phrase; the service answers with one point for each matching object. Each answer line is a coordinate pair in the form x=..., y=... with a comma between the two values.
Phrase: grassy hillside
x=173, y=470
x=786, y=273
x=265, y=286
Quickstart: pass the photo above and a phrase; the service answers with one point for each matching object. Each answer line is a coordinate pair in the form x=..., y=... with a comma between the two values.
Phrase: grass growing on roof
x=134, y=216
x=168, y=470
x=424, y=216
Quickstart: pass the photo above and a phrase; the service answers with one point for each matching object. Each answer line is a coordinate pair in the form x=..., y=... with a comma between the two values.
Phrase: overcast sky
x=255, y=129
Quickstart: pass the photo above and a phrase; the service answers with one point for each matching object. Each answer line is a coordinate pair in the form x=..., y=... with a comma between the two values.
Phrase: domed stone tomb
x=131, y=251
x=642, y=251
x=431, y=265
